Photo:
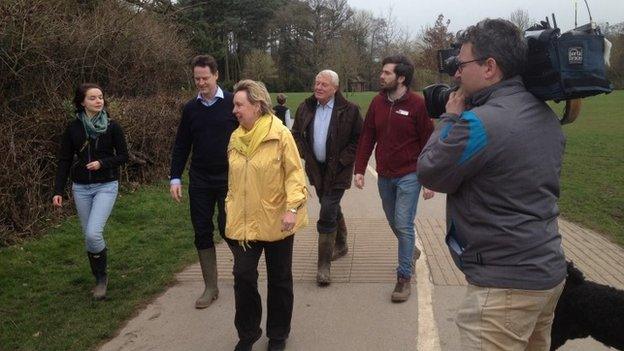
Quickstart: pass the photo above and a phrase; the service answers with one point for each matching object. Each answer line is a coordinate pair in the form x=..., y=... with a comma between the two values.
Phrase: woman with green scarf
x=93, y=148
x=265, y=205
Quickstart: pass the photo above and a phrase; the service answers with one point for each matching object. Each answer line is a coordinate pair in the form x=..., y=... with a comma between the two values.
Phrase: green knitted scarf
x=94, y=126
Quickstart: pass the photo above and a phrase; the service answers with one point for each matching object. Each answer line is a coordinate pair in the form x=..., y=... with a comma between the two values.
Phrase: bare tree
x=329, y=18
x=390, y=33
x=434, y=38
x=520, y=18
x=345, y=59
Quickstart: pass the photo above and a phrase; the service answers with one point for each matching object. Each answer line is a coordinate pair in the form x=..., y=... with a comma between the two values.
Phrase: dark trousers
x=203, y=201
x=330, y=211
x=278, y=255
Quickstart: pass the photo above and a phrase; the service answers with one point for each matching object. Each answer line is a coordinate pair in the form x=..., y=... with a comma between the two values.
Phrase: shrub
x=51, y=46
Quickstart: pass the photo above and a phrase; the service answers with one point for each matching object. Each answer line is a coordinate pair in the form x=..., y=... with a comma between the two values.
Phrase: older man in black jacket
x=326, y=129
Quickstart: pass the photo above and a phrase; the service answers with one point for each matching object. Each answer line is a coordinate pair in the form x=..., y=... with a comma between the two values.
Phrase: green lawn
x=592, y=179
x=362, y=99
x=45, y=284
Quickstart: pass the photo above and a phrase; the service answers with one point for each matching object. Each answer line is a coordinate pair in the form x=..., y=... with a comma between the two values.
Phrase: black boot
x=247, y=344
x=98, y=268
x=277, y=344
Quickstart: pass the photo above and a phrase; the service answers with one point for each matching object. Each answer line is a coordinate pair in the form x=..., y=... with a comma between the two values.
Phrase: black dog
x=588, y=309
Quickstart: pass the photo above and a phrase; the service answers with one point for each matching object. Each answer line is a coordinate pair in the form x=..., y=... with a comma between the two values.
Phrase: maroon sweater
x=400, y=129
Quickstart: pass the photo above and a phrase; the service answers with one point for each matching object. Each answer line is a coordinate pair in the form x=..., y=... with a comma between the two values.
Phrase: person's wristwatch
x=293, y=210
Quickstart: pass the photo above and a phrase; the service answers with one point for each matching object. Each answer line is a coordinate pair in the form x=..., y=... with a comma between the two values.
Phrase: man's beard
x=390, y=87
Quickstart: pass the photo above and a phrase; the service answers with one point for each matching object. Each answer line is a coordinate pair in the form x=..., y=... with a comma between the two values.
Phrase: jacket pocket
x=458, y=246
x=452, y=242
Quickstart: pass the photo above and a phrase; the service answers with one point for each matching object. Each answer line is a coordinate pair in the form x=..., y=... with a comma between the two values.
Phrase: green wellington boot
x=208, y=264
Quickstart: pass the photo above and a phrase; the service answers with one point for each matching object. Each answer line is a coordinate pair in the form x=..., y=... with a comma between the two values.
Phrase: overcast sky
x=414, y=14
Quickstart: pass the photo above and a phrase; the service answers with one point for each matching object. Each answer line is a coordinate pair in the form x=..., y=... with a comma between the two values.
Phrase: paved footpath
x=354, y=312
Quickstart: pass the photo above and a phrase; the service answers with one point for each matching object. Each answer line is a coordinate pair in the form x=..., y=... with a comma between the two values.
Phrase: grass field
x=45, y=284
x=363, y=99
x=592, y=179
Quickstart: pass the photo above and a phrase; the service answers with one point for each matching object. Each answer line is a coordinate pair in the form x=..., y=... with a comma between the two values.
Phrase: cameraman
x=497, y=153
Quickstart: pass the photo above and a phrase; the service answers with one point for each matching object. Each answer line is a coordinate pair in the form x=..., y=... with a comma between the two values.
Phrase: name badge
x=402, y=112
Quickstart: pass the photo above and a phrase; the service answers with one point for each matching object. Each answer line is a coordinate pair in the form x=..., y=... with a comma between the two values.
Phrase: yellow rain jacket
x=264, y=186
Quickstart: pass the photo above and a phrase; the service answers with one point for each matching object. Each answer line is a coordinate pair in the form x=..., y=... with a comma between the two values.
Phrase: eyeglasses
x=460, y=64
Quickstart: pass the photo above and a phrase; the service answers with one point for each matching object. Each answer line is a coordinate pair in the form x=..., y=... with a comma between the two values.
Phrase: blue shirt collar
x=329, y=103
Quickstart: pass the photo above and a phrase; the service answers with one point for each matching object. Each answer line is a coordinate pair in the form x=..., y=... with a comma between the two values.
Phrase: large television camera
x=560, y=67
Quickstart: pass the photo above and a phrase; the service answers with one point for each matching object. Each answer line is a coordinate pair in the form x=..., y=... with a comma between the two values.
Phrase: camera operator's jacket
x=499, y=162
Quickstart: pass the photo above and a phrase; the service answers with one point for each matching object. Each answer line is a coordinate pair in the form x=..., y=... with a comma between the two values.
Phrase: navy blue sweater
x=204, y=131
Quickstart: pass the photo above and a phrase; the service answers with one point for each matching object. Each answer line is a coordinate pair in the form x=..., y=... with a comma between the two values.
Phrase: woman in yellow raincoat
x=265, y=206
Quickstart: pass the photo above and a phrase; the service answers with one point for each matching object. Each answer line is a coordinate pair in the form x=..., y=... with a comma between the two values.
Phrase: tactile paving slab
x=372, y=255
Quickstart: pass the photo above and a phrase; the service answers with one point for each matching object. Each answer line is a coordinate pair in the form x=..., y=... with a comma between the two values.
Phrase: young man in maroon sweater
x=398, y=123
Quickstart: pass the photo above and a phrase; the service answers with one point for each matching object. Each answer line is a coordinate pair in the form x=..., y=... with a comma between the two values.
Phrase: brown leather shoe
x=402, y=290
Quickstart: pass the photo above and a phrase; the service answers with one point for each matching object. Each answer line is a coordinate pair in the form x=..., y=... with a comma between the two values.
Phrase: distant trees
x=259, y=65
x=227, y=29
x=434, y=38
x=300, y=37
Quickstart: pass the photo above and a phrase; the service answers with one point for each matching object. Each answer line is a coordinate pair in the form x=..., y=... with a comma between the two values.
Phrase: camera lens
x=436, y=97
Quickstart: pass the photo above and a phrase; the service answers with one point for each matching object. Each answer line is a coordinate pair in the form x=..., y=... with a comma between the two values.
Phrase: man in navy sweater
x=205, y=128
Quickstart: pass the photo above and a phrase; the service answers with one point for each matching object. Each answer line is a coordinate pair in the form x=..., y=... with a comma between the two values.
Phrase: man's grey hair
x=332, y=75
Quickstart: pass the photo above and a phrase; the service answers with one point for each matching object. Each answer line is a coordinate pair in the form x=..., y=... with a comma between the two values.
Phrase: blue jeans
x=399, y=198
x=94, y=203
